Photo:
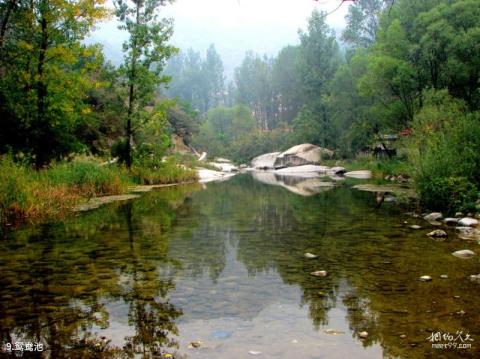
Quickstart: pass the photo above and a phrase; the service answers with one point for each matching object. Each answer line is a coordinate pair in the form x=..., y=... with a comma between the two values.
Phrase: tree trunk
x=3, y=28
x=131, y=95
x=42, y=125
x=128, y=148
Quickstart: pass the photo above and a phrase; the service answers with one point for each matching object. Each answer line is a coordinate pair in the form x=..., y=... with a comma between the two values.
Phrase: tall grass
x=163, y=173
x=27, y=195
x=88, y=178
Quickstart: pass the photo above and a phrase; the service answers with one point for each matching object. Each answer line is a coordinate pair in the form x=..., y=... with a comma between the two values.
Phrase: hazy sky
x=234, y=26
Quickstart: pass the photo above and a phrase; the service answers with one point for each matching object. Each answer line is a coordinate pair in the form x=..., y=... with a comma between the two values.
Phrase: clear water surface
x=222, y=267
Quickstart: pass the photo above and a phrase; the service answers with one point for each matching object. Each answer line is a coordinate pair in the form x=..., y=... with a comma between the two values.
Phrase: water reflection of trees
x=366, y=248
x=57, y=279
x=133, y=253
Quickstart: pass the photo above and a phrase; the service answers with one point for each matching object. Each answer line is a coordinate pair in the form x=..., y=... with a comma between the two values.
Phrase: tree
x=196, y=80
x=319, y=59
x=362, y=22
x=214, y=79
x=45, y=71
x=448, y=51
x=286, y=83
x=253, y=80
x=145, y=54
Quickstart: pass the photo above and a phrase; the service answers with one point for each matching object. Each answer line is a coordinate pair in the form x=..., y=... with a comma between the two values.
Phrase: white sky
x=234, y=26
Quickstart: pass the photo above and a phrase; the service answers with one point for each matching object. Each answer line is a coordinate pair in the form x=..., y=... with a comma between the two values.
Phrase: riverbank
x=441, y=192
x=27, y=195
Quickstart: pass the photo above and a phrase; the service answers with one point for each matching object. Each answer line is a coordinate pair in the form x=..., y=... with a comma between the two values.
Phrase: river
x=218, y=271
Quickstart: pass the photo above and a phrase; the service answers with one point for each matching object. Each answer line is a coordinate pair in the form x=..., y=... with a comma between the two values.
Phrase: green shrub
x=445, y=153
x=448, y=193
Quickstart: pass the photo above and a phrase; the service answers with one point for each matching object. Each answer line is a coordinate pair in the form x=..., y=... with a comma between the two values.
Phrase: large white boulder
x=224, y=166
x=468, y=222
x=265, y=161
x=303, y=154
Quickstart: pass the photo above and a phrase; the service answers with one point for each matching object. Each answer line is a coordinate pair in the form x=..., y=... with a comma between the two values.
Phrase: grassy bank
x=437, y=188
x=27, y=195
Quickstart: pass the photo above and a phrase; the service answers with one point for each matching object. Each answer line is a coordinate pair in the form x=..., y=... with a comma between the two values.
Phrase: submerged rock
x=434, y=216
x=438, y=233
x=319, y=273
x=221, y=334
x=475, y=278
x=425, y=278
x=254, y=352
x=96, y=202
x=333, y=331
x=468, y=222
x=363, y=335
x=195, y=344
x=468, y=233
x=464, y=253
x=444, y=276
x=398, y=190
x=390, y=199
x=415, y=226
x=310, y=255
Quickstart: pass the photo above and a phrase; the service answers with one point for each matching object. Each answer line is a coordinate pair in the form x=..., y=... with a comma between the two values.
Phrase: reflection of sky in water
x=238, y=312
x=225, y=266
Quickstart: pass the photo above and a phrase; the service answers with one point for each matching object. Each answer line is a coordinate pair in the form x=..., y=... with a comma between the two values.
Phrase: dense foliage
x=393, y=61
x=409, y=69
x=59, y=98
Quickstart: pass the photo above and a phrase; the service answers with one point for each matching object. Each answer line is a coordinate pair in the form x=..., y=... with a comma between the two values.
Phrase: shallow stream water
x=219, y=272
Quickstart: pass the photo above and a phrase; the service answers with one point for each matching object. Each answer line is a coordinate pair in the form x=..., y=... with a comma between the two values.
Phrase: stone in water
x=333, y=332
x=319, y=273
x=468, y=222
x=464, y=253
x=438, y=233
x=363, y=335
x=434, y=216
x=221, y=334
